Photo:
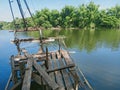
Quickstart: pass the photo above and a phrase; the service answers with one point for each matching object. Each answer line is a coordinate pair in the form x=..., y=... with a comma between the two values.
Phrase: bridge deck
x=55, y=70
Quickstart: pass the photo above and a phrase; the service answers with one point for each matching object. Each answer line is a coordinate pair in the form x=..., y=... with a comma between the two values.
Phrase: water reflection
x=90, y=40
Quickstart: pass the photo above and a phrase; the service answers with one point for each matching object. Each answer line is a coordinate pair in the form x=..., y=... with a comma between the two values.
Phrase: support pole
x=22, y=14
x=7, y=86
x=11, y=9
x=29, y=10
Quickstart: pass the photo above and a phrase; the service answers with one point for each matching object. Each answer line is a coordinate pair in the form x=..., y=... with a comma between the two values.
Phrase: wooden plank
x=27, y=77
x=66, y=77
x=14, y=72
x=23, y=30
x=66, y=57
x=72, y=70
x=37, y=78
x=50, y=66
x=24, y=58
x=61, y=68
x=44, y=40
x=57, y=73
x=9, y=80
x=45, y=76
x=16, y=85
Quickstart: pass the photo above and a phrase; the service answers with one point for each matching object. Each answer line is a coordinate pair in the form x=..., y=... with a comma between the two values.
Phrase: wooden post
x=27, y=76
x=14, y=73
x=22, y=69
x=7, y=86
x=46, y=61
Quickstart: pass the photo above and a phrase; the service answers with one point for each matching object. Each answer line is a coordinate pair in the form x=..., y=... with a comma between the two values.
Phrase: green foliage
x=54, y=18
x=67, y=16
x=5, y=25
x=84, y=16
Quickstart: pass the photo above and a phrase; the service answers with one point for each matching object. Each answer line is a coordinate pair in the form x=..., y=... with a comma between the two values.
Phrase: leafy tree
x=84, y=16
x=55, y=18
x=66, y=16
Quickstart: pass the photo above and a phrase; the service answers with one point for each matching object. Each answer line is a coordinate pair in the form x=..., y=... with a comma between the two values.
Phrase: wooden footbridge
x=49, y=70
x=45, y=70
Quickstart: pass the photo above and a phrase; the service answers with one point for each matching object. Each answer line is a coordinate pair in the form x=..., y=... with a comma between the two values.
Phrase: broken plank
x=66, y=77
x=44, y=40
x=16, y=85
x=14, y=72
x=50, y=66
x=73, y=72
x=61, y=68
x=24, y=58
x=45, y=76
x=57, y=73
x=27, y=76
x=37, y=78
x=66, y=57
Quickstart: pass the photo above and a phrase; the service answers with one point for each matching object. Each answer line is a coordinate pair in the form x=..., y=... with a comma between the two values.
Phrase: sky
x=5, y=14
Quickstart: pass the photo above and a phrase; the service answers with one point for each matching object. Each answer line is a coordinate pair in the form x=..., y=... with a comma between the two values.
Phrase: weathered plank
x=24, y=30
x=22, y=58
x=37, y=78
x=16, y=85
x=66, y=57
x=27, y=76
x=66, y=77
x=57, y=73
x=14, y=72
x=72, y=70
x=44, y=40
x=60, y=68
x=9, y=80
x=45, y=76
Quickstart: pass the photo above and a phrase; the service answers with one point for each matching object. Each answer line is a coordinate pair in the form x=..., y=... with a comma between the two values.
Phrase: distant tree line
x=5, y=25
x=84, y=16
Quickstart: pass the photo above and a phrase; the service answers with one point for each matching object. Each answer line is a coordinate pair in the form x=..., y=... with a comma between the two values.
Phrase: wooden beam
x=24, y=30
x=58, y=75
x=7, y=86
x=66, y=77
x=37, y=78
x=27, y=76
x=16, y=85
x=44, y=40
x=66, y=57
x=61, y=68
x=14, y=73
x=23, y=58
x=73, y=72
x=45, y=76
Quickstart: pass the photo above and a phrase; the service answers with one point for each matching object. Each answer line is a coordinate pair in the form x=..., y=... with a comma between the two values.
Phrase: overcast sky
x=5, y=14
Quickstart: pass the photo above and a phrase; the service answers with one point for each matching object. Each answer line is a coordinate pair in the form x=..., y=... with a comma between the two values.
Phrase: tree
x=92, y=14
x=66, y=16
x=42, y=18
x=54, y=18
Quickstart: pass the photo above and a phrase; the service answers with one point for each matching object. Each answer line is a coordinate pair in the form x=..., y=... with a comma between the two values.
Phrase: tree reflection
x=88, y=40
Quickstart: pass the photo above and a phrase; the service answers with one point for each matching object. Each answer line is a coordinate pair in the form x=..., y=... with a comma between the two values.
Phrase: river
x=96, y=52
